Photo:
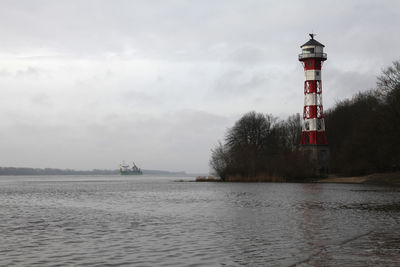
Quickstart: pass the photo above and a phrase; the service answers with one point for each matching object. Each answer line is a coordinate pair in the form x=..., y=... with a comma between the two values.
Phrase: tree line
x=363, y=135
x=364, y=132
x=52, y=171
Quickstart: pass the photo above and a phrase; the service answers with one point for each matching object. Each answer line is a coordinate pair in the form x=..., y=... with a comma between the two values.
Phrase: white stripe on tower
x=313, y=75
x=313, y=125
x=312, y=99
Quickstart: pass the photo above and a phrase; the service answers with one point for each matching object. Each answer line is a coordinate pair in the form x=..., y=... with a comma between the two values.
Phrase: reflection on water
x=148, y=221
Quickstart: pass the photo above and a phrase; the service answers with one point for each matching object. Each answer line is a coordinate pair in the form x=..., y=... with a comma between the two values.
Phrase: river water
x=154, y=221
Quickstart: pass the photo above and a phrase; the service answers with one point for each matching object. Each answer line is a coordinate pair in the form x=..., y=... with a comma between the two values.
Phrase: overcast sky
x=87, y=84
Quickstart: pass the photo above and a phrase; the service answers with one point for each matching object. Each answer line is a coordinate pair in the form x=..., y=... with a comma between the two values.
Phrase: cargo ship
x=127, y=170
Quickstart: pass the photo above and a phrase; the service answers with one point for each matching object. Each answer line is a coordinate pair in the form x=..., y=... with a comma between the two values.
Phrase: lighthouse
x=313, y=136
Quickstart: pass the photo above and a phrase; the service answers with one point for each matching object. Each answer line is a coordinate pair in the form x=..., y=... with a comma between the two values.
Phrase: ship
x=125, y=169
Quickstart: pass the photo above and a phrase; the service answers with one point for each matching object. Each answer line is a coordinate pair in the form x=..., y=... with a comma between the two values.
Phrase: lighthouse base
x=319, y=157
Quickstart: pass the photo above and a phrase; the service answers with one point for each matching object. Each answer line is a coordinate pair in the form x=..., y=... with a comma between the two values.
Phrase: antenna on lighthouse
x=312, y=35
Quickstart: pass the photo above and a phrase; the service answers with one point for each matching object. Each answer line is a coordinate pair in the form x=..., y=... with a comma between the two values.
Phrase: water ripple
x=152, y=221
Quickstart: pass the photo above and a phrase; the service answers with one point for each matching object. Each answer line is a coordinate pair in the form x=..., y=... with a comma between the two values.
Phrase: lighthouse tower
x=313, y=136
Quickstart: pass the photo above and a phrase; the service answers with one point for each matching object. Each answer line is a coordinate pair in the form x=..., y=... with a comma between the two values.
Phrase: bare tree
x=219, y=161
x=390, y=78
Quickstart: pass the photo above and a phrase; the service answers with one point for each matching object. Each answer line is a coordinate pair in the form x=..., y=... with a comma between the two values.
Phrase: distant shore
x=20, y=171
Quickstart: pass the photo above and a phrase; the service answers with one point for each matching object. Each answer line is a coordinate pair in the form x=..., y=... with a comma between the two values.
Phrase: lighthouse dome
x=312, y=49
x=312, y=42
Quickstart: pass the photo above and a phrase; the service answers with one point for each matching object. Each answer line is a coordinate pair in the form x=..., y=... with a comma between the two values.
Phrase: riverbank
x=207, y=179
x=390, y=178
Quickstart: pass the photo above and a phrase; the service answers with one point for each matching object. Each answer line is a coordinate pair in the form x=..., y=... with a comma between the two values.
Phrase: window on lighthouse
x=309, y=50
x=307, y=125
x=317, y=75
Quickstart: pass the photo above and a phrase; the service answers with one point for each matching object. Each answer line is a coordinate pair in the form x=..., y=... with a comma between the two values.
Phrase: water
x=154, y=221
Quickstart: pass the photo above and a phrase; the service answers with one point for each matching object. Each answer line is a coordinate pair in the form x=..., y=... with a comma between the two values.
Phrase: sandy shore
x=346, y=180
x=376, y=178
x=391, y=178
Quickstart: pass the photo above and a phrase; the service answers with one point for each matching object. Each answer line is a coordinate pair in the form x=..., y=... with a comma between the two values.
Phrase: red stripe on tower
x=313, y=126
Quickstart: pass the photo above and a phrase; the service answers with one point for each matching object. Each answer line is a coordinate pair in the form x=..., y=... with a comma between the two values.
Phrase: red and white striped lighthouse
x=313, y=136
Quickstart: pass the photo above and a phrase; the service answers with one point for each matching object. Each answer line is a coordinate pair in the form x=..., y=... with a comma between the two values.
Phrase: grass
x=207, y=179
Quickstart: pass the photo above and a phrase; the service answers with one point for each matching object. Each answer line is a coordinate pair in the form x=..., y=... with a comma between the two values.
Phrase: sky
x=87, y=84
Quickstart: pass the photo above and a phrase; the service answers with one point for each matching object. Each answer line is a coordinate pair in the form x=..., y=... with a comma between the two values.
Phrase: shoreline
x=342, y=180
x=388, y=178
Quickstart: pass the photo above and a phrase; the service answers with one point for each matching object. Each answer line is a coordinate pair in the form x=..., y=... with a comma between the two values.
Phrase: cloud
x=160, y=81
x=42, y=99
x=29, y=71
x=247, y=56
x=340, y=84
x=239, y=82
x=4, y=73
